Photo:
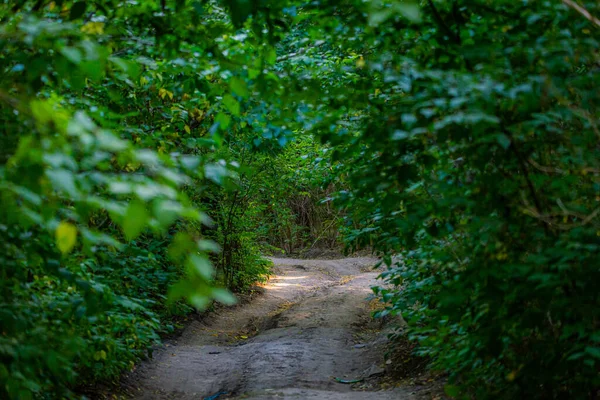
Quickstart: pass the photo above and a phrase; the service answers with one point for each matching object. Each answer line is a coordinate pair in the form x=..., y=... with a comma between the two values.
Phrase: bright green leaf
x=136, y=218
x=224, y=120
x=63, y=180
x=232, y=104
x=66, y=237
x=224, y=296
x=201, y=266
x=238, y=86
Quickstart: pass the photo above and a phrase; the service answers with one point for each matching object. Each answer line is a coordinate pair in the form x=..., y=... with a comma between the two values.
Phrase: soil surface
x=310, y=328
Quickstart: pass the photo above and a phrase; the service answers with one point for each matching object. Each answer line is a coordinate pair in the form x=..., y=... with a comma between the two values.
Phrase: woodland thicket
x=152, y=152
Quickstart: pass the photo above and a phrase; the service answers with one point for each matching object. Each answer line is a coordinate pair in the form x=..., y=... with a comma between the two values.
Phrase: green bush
x=461, y=138
x=89, y=322
x=98, y=220
x=476, y=165
x=254, y=268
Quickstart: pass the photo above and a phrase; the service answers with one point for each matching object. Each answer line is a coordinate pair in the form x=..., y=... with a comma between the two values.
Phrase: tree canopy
x=153, y=151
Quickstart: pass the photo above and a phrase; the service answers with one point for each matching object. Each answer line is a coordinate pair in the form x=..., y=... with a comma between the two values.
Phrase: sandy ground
x=311, y=325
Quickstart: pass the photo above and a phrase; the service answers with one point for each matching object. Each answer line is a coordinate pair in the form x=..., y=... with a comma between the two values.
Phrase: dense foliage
x=475, y=163
x=466, y=135
x=105, y=149
x=151, y=151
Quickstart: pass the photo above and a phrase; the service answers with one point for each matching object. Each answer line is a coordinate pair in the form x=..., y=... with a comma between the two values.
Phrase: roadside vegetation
x=153, y=152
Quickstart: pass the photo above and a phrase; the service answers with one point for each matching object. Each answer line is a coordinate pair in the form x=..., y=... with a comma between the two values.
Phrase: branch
x=548, y=218
x=524, y=169
x=438, y=18
x=550, y=170
x=582, y=11
x=553, y=170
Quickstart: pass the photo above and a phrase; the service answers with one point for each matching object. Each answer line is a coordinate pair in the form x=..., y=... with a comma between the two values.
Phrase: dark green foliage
x=101, y=321
x=476, y=165
x=467, y=135
x=292, y=211
x=460, y=140
x=107, y=142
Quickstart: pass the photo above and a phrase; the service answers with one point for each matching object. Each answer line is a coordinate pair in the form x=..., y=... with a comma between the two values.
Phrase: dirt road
x=311, y=325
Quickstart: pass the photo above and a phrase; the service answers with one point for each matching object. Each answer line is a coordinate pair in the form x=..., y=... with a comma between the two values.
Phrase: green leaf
x=238, y=86
x=215, y=172
x=180, y=289
x=224, y=296
x=166, y=211
x=208, y=245
x=136, y=218
x=201, y=266
x=190, y=162
x=253, y=72
x=63, y=180
x=66, y=237
x=224, y=120
x=42, y=111
x=131, y=68
x=199, y=301
x=198, y=293
x=593, y=351
x=232, y=104
x=408, y=9
x=72, y=54
x=271, y=56
x=180, y=246
x=110, y=142
x=503, y=140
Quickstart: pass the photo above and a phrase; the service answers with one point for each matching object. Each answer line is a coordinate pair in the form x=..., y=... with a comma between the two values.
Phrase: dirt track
x=311, y=325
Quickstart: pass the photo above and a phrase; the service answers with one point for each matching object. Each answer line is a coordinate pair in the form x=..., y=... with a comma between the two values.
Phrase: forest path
x=311, y=324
